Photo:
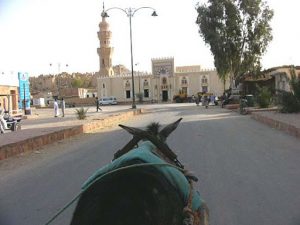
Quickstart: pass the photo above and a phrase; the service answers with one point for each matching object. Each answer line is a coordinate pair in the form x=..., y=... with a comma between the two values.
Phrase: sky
x=37, y=33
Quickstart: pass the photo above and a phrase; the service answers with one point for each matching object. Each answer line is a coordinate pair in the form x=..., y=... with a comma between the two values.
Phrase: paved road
x=248, y=173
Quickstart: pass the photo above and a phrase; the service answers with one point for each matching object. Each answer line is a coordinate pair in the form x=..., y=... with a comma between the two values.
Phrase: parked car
x=108, y=101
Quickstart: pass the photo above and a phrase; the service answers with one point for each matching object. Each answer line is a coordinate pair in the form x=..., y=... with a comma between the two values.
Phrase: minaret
x=105, y=51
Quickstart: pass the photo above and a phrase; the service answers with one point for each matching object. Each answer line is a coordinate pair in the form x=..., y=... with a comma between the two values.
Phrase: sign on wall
x=24, y=90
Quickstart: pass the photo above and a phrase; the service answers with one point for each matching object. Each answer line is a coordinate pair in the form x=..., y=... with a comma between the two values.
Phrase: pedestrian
x=56, y=108
x=197, y=100
x=63, y=106
x=205, y=101
x=97, y=105
x=3, y=124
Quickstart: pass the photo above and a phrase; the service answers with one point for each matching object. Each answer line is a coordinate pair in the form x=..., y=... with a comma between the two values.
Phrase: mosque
x=165, y=81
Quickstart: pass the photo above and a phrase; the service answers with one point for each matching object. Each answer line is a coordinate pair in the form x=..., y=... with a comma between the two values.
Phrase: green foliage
x=264, y=97
x=238, y=33
x=140, y=97
x=81, y=113
x=290, y=101
x=77, y=82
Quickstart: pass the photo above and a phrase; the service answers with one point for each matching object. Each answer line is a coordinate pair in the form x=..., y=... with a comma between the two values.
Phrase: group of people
x=56, y=107
x=204, y=99
x=63, y=106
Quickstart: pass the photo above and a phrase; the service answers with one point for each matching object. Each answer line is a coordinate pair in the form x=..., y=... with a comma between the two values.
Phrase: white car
x=108, y=101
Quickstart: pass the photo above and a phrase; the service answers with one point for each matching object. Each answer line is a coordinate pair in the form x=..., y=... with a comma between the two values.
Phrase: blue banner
x=24, y=90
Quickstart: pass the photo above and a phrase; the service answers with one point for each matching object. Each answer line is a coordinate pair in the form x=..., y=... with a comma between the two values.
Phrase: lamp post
x=130, y=13
x=138, y=73
x=58, y=82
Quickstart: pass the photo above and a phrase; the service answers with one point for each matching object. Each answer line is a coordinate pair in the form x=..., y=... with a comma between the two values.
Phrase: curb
x=31, y=144
x=290, y=129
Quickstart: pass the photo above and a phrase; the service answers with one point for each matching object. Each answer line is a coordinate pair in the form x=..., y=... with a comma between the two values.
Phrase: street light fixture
x=130, y=13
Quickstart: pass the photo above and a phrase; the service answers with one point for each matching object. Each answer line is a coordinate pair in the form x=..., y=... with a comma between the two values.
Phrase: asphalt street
x=248, y=173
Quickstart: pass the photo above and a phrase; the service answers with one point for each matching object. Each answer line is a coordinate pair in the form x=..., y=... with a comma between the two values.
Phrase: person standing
x=56, y=108
x=205, y=101
x=97, y=105
x=3, y=124
x=63, y=106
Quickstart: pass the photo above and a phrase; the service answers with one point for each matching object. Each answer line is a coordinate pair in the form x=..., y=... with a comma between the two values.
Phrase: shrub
x=264, y=97
x=81, y=113
x=288, y=102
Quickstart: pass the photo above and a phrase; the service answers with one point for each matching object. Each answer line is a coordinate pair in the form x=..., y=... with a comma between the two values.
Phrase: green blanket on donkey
x=143, y=154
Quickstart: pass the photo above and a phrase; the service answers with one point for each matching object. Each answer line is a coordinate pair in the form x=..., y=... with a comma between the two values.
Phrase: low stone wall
x=34, y=143
x=288, y=128
x=232, y=106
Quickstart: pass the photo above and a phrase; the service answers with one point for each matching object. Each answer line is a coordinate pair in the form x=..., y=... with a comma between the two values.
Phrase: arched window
x=184, y=81
x=146, y=83
x=164, y=80
x=204, y=80
x=127, y=84
x=103, y=85
x=102, y=62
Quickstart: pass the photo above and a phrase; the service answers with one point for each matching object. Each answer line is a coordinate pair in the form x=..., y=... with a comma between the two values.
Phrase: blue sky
x=35, y=33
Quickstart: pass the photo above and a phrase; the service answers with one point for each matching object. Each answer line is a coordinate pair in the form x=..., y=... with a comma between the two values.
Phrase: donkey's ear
x=167, y=130
x=132, y=130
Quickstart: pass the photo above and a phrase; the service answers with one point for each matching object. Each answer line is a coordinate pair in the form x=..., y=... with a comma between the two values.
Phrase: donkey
x=145, y=184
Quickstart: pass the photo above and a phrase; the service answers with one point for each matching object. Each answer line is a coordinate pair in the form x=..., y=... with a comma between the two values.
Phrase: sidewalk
x=287, y=122
x=42, y=128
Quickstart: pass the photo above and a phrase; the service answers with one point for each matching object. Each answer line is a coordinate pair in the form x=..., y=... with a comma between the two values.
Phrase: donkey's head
x=155, y=135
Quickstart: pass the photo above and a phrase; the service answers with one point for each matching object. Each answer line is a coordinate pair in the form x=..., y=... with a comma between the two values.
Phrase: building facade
x=9, y=91
x=164, y=81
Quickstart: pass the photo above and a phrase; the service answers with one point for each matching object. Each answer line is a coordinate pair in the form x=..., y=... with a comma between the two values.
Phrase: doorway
x=165, y=96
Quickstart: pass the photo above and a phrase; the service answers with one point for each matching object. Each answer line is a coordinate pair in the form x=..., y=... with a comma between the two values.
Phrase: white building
x=162, y=84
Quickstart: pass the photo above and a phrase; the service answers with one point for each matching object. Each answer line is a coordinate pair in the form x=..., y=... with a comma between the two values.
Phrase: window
x=146, y=84
x=204, y=80
x=184, y=81
x=146, y=93
x=103, y=85
x=127, y=94
x=127, y=84
x=164, y=80
x=103, y=62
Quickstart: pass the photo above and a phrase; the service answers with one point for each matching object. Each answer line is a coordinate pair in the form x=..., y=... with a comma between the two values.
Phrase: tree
x=238, y=33
x=77, y=83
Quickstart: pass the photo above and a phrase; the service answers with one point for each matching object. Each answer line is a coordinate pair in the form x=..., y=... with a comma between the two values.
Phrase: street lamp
x=58, y=82
x=130, y=13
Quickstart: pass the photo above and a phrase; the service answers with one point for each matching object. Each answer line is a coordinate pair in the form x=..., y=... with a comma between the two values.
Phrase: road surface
x=248, y=173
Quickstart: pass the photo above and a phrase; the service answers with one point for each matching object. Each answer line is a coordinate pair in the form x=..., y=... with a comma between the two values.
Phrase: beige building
x=283, y=75
x=161, y=85
x=9, y=96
